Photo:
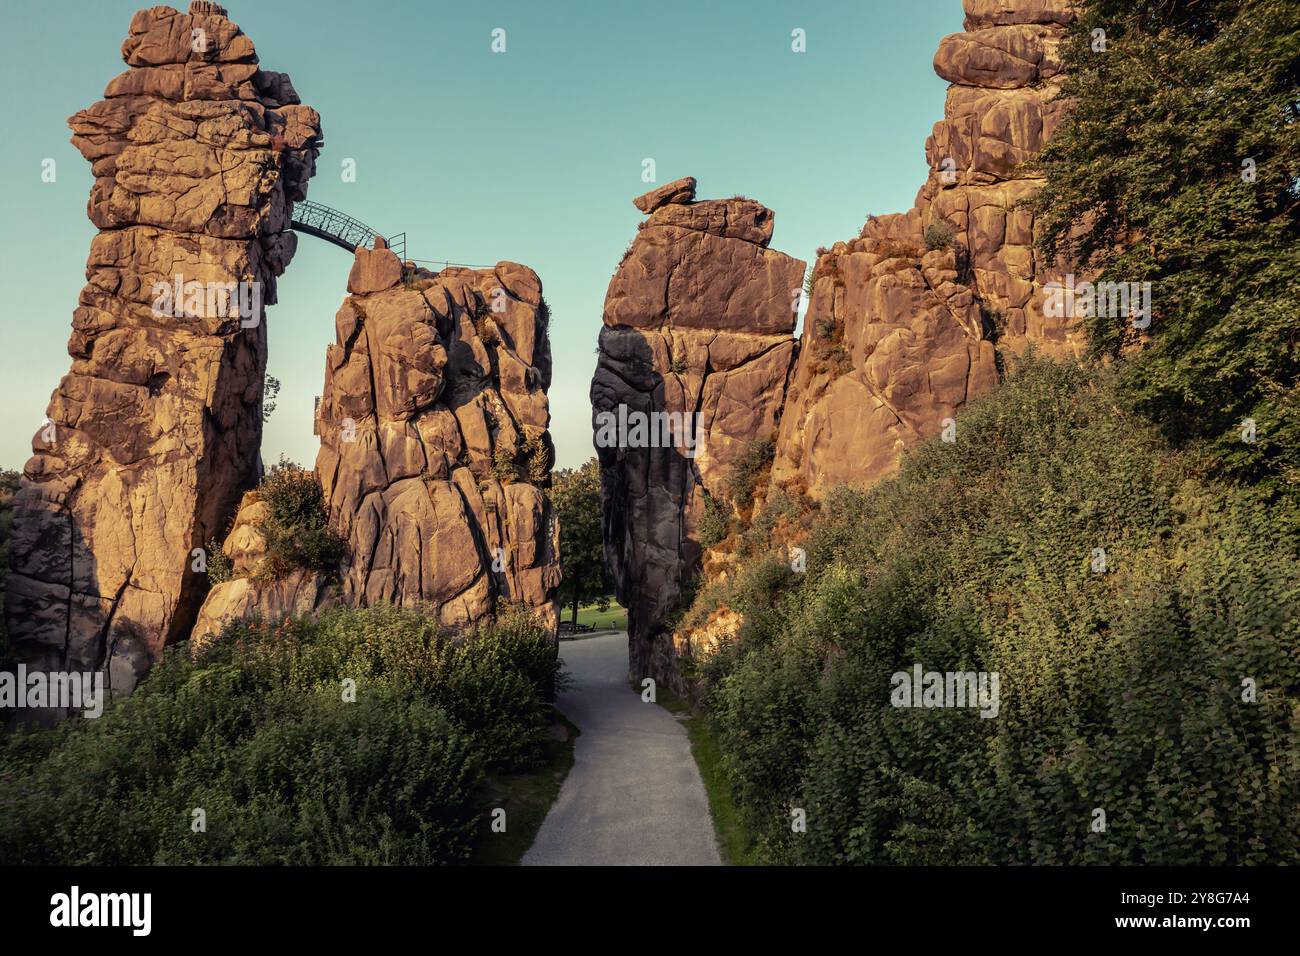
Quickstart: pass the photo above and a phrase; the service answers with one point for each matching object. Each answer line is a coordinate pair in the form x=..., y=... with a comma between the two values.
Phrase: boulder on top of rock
x=706, y=266
x=988, y=13
x=374, y=270
x=678, y=191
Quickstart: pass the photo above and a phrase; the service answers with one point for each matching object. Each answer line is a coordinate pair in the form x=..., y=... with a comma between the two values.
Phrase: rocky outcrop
x=920, y=313
x=153, y=434
x=906, y=324
x=434, y=453
x=250, y=592
x=698, y=325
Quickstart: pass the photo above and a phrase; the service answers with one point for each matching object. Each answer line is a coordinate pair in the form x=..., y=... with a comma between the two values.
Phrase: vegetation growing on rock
x=1123, y=689
x=295, y=528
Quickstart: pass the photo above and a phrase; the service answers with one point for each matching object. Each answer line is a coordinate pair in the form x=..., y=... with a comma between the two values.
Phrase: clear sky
x=532, y=155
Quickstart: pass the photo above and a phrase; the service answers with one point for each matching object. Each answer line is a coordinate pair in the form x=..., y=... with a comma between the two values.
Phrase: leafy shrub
x=539, y=460
x=504, y=468
x=220, y=567
x=296, y=530
x=715, y=523
x=1203, y=166
x=256, y=733
x=753, y=464
x=828, y=352
x=1121, y=690
x=939, y=235
x=270, y=389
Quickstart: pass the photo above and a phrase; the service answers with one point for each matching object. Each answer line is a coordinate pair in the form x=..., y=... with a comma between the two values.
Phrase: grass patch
x=613, y=618
x=526, y=797
x=735, y=842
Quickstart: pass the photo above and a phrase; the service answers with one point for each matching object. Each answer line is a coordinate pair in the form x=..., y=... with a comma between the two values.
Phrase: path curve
x=634, y=796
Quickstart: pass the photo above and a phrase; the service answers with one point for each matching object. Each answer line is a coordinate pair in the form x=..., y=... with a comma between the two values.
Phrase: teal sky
x=532, y=155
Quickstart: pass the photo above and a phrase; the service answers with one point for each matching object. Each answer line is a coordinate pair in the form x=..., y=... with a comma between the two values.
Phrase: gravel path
x=634, y=796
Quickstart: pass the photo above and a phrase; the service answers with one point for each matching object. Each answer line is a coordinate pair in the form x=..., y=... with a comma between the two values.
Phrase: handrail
x=323, y=222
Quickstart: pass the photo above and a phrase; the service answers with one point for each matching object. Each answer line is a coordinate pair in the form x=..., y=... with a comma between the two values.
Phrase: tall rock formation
x=698, y=325
x=906, y=323
x=153, y=434
x=917, y=315
x=434, y=453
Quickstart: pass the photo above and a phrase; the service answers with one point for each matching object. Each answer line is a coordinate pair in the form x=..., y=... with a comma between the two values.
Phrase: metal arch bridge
x=347, y=233
x=340, y=228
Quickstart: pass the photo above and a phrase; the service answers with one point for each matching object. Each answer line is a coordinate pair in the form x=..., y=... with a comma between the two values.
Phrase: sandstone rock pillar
x=919, y=314
x=435, y=456
x=697, y=328
x=154, y=433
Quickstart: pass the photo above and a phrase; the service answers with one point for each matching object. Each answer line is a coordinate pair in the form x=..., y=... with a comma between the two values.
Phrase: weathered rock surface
x=249, y=592
x=678, y=191
x=153, y=435
x=903, y=328
x=698, y=320
x=434, y=453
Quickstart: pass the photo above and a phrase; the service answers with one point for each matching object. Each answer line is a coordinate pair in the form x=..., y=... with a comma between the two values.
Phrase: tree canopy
x=1179, y=164
x=575, y=493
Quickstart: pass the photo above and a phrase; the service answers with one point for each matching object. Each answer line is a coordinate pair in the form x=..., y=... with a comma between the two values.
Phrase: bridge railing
x=342, y=230
x=332, y=225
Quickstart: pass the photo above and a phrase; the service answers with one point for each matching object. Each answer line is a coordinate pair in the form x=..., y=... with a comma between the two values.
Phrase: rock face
x=153, y=434
x=698, y=321
x=247, y=594
x=905, y=325
x=919, y=314
x=434, y=453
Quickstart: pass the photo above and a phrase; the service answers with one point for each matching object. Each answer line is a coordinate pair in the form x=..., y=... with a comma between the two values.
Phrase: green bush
x=296, y=531
x=257, y=733
x=220, y=567
x=715, y=523
x=504, y=468
x=753, y=464
x=1121, y=690
x=939, y=235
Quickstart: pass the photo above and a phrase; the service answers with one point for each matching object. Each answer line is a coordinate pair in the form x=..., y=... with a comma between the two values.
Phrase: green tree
x=1178, y=164
x=575, y=493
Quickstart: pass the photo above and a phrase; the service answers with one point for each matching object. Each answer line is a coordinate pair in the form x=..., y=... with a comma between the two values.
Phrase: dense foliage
x=259, y=733
x=1121, y=689
x=749, y=471
x=1178, y=164
x=575, y=495
x=296, y=530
